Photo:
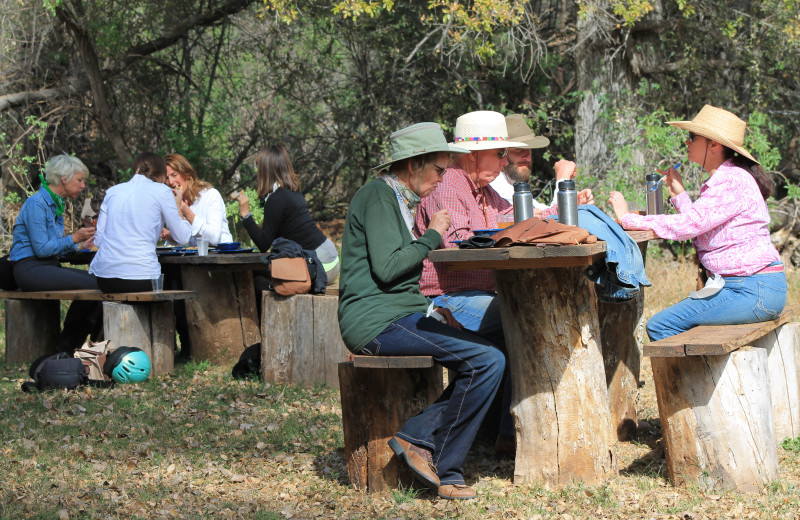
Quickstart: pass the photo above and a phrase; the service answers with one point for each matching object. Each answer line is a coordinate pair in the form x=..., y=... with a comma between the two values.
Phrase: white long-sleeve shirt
x=210, y=221
x=505, y=188
x=132, y=216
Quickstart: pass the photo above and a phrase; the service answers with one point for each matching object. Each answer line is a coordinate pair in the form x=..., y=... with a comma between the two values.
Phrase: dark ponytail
x=765, y=184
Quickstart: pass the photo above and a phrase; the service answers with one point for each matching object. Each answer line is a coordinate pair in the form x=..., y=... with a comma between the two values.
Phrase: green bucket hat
x=418, y=139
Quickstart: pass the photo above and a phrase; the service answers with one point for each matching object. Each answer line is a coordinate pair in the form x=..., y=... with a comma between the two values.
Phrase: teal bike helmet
x=127, y=365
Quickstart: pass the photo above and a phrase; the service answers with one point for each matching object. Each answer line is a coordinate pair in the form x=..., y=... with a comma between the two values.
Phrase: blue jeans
x=448, y=426
x=744, y=299
x=479, y=311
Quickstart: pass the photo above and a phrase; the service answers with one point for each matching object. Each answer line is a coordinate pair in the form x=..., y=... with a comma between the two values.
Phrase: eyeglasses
x=439, y=169
x=502, y=153
x=692, y=137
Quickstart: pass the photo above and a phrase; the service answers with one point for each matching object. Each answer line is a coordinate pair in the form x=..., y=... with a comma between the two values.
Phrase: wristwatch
x=243, y=218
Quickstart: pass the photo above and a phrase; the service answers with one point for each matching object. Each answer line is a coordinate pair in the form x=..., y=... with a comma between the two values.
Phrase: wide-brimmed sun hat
x=483, y=130
x=418, y=139
x=718, y=125
x=518, y=130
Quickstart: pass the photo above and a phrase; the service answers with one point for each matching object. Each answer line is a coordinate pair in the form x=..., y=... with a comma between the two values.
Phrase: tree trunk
x=560, y=403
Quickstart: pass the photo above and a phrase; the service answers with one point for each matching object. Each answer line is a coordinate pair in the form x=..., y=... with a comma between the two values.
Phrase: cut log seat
x=142, y=319
x=379, y=393
x=725, y=395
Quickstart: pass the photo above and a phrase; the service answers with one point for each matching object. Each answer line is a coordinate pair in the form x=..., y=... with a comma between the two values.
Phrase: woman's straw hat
x=482, y=130
x=518, y=130
x=418, y=139
x=718, y=125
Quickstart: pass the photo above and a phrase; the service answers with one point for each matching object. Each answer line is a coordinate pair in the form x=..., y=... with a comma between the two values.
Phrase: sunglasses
x=692, y=137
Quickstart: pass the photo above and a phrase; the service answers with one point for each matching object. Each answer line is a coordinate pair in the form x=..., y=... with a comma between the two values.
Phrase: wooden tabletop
x=530, y=256
x=226, y=261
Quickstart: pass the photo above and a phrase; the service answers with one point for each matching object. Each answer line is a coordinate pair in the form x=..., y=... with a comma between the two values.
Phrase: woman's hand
x=87, y=244
x=82, y=234
x=440, y=221
x=585, y=197
x=618, y=204
x=244, y=204
x=448, y=317
x=187, y=212
x=178, y=193
x=165, y=234
x=674, y=182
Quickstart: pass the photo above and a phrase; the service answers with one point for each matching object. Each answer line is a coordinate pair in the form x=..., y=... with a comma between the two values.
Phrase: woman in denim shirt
x=39, y=240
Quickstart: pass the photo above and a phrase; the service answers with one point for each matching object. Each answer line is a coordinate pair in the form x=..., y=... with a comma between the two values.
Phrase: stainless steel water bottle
x=567, y=203
x=522, y=201
x=654, y=195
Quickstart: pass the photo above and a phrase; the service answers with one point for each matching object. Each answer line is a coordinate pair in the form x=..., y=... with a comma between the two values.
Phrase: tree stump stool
x=301, y=342
x=31, y=329
x=783, y=357
x=379, y=393
x=148, y=326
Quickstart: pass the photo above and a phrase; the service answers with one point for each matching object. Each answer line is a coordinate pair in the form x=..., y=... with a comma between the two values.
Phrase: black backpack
x=54, y=371
x=249, y=363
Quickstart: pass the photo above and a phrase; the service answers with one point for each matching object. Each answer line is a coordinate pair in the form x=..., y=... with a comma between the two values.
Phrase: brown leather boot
x=415, y=458
x=457, y=492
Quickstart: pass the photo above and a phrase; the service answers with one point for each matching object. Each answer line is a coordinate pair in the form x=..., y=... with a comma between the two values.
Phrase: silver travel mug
x=522, y=201
x=654, y=194
x=567, y=203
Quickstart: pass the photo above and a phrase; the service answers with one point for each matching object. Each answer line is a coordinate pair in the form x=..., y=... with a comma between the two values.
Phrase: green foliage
x=760, y=127
x=232, y=208
x=793, y=191
x=791, y=444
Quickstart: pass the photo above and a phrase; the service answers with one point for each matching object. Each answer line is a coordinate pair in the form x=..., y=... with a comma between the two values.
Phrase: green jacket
x=381, y=266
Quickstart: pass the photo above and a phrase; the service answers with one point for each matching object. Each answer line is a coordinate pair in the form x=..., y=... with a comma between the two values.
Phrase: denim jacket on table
x=621, y=272
x=37, y=231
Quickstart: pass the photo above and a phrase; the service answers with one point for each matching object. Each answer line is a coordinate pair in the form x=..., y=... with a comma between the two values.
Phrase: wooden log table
x=223, y=320
x=564, y=427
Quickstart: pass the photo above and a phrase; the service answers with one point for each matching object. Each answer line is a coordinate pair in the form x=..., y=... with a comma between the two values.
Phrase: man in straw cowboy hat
x=728, y=225
x=473, y=205
x=382, y=311
x=519, y=167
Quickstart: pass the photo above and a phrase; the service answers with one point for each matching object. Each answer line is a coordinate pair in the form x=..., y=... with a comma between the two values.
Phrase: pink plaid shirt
x=470, y=208
x=728, y=223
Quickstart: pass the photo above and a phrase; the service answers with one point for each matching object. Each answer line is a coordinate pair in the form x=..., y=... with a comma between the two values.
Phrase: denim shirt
x=37, y=231
x=622, y=271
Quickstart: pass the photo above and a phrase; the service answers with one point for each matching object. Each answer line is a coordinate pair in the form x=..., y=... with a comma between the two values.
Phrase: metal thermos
x=567, y=203
x=522, y=201
x=653, y=194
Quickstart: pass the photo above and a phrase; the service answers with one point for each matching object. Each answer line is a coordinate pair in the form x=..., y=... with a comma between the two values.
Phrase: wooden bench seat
x=379, y=393
x=145, y=320
x=726, y=396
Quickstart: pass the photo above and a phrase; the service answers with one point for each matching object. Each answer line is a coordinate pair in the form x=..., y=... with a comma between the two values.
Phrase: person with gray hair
x=39, y=240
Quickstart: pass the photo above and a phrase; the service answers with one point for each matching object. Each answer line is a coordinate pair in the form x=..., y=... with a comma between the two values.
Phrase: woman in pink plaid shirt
x=728, y=225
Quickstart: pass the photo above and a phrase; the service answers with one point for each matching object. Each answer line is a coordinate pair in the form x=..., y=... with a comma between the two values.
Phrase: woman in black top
x=285, y=214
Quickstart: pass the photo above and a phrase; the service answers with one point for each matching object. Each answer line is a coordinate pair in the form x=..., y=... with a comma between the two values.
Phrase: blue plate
x=182, y=252
x=486, y=232
x=247, y=250
x=455, y=242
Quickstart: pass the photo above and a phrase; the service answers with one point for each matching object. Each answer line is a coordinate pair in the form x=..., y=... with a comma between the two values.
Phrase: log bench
x=379, y=393
x=725, y=395
x=300, y=339
x=143, y=319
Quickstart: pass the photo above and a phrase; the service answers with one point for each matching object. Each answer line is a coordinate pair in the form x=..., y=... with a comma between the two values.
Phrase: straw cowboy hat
x=483, y=130
x=518, y=131
x=418, y=139
x=718, y=125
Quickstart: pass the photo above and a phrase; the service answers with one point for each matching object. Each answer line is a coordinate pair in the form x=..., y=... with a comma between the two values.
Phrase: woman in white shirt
x=202, y=205
x=132, y=216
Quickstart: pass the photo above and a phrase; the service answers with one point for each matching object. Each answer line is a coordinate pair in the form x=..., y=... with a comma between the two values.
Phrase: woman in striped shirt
x=728, y=225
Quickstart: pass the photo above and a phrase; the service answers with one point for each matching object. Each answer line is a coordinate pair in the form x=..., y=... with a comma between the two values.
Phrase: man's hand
x=448, y=316
x=565, y=170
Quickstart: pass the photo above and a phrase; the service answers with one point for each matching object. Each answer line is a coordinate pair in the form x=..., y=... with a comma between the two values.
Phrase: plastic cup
x=157, y=283
x=504, y=221
x=202, y=247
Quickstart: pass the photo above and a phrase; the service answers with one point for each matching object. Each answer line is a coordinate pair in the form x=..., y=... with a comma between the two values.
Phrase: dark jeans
x=174, y=282
x=83, y=318
x=112, y=285
x=449, y=425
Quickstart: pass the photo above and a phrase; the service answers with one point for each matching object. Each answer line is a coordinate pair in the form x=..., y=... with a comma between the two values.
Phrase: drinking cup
x=504, y=221
x=202, y=247
x=158, y=283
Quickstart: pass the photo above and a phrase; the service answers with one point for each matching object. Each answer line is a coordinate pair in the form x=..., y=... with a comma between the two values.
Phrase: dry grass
x=201, y=445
